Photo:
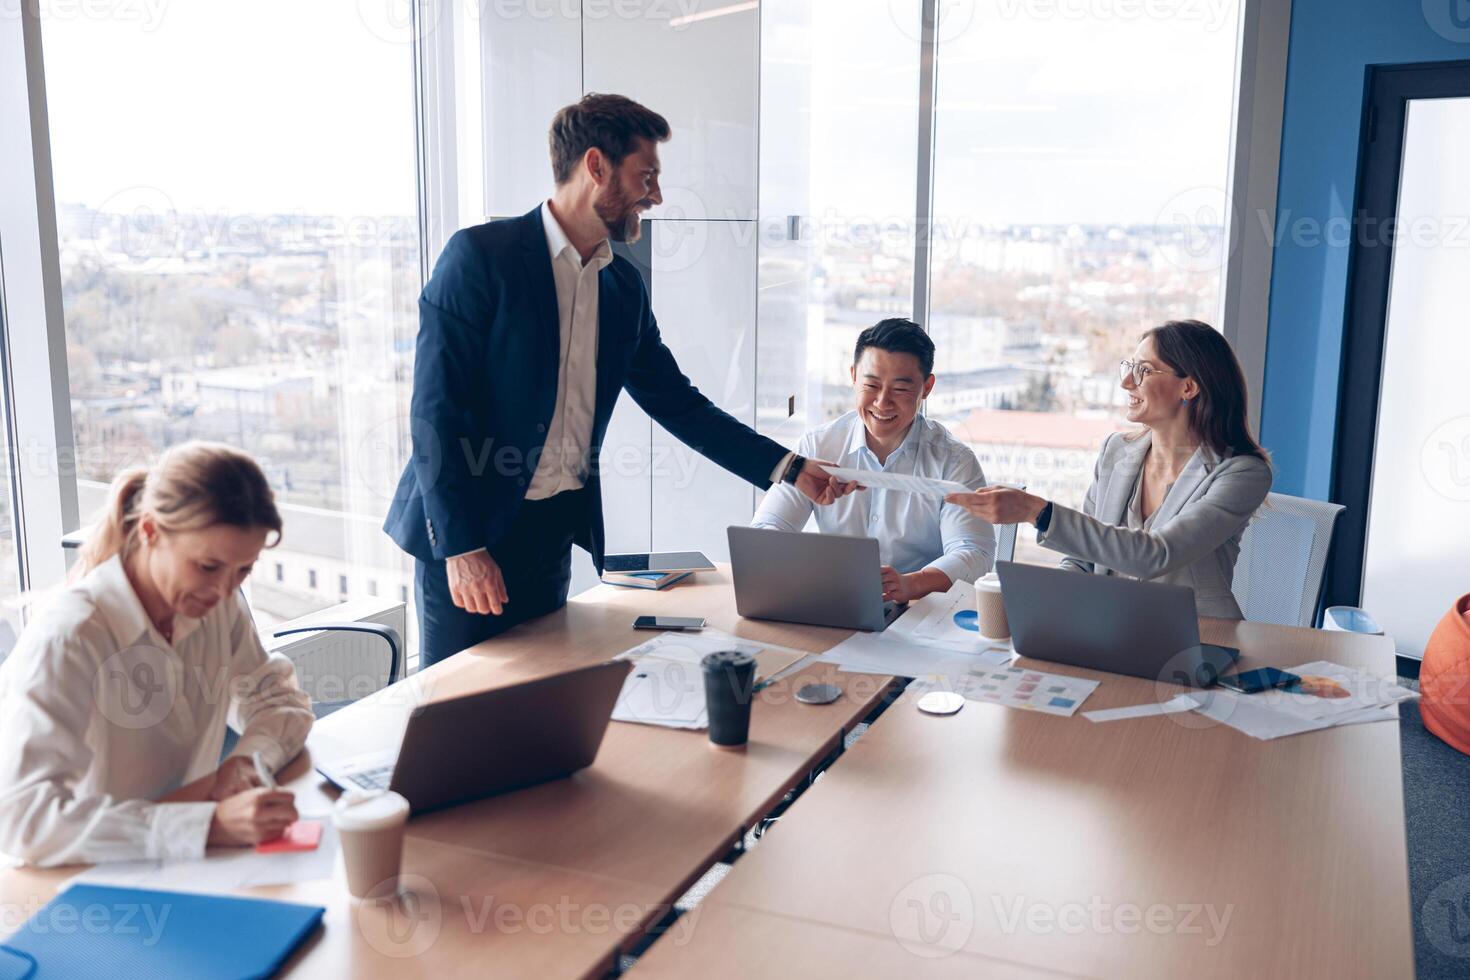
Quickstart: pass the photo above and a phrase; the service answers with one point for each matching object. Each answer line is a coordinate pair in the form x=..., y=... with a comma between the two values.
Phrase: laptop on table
x=818, y=579
x=1106, y=622
x=464, y=748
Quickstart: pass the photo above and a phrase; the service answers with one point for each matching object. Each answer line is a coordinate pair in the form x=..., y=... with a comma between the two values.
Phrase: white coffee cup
x=990, y=611
x=370, y=827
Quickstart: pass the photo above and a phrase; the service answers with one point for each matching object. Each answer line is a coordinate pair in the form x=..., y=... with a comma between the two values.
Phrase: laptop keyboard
x=378, y=778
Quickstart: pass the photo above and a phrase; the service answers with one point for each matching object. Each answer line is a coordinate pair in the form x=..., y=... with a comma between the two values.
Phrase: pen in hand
x=263, y=771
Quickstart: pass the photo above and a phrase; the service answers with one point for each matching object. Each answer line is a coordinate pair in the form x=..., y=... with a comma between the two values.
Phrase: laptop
x=818, y=579
x=1104, y=622
x=481, y=744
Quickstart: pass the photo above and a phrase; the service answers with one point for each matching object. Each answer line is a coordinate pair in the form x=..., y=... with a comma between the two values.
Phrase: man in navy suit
x=528, y=330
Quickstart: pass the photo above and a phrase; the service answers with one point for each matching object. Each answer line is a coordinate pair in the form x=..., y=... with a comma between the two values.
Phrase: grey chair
x=388, y=634
x=1283, y=560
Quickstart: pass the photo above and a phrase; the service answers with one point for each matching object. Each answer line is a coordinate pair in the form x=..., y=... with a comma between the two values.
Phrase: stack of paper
x=1330, y=695
x=666, y=685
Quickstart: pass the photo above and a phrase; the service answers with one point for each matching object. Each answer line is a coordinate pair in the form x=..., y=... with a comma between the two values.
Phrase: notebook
x=97, y=931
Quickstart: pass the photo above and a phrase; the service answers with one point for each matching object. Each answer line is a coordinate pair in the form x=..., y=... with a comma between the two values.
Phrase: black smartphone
x=668, y=623
x=1260, y=679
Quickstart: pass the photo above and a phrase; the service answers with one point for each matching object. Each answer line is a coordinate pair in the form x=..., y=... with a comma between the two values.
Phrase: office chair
x=1283, y=560
x=387, y=633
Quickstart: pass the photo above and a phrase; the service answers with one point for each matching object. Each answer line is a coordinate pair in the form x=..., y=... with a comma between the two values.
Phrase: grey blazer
x=1194, y=537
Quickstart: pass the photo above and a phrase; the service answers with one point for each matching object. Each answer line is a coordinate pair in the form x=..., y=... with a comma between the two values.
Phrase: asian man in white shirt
x=925, y=544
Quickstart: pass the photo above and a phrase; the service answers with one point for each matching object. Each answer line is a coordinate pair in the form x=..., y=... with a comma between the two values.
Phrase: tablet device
x=658, y=561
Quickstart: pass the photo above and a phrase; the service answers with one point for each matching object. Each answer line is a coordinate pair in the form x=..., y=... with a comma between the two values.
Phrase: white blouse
x=100, y=715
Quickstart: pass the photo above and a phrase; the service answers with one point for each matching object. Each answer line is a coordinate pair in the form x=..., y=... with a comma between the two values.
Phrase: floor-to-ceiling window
x=1080, y=160
x=1079, y=167
x=236, y=201
x=839, y=158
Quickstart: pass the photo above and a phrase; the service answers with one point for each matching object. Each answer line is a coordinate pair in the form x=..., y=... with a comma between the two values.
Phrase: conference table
x=991, y=842
x=997, y=842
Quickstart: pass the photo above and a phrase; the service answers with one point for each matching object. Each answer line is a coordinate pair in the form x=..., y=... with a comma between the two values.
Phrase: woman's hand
x=235, y=775
x=1000, y=505
x=252, y=816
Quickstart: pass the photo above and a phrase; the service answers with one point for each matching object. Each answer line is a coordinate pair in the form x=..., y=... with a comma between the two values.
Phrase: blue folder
x=121, y=933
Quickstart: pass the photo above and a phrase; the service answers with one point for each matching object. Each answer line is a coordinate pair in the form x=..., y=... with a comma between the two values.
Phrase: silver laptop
x=1104, y=622
x=485, y=743
x=819, y=579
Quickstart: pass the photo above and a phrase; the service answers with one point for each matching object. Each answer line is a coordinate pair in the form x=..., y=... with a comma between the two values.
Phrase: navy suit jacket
x=485, y=381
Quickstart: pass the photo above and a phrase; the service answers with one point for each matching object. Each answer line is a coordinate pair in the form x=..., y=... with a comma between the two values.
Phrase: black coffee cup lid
x=726, y=658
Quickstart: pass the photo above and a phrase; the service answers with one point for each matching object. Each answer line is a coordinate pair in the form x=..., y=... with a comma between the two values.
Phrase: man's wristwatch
x=793, y=470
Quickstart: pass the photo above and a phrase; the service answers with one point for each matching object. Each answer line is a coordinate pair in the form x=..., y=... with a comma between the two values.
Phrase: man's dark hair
x=898, y=336
x=612, y=123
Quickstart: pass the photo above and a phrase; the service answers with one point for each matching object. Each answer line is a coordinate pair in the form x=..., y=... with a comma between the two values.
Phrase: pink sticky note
x=303, y=835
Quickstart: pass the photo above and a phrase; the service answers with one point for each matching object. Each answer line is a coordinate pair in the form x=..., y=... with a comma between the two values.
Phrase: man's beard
x=618, y=214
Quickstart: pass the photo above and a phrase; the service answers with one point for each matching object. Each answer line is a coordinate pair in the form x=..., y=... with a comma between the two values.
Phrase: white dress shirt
x=914, y=531
x=100, y=715
x=565, y=457
x=563, y=463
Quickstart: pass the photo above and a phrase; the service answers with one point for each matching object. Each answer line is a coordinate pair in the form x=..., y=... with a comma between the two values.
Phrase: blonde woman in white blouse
x=114, y=703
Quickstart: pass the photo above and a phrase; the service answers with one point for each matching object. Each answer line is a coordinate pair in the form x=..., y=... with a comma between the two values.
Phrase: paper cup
x=370, y=828
x=990, y=612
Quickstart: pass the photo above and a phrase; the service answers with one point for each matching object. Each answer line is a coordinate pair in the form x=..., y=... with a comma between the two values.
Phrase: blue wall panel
x=1332, y=42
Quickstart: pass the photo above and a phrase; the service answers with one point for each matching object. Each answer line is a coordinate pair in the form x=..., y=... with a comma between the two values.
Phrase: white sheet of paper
x=901, y=482
x=691, y=647
x=1356, y=690
x=662, y=692
x=666, y=685
x=888, y=653
x=1173, y=706
x=1259, y=719
x=222, y=869
x=1014, y=687
x=930, y=620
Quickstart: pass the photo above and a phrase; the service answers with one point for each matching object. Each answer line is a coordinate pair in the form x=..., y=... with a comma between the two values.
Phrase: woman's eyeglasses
x=1138, y=370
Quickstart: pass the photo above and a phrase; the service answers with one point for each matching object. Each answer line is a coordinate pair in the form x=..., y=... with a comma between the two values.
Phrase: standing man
x=528, y=330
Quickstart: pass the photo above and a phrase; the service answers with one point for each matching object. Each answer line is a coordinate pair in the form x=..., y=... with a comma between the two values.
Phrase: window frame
x=37, y=387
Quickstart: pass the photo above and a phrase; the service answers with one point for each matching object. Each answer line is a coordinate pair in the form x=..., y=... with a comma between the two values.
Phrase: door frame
x=1387, y=91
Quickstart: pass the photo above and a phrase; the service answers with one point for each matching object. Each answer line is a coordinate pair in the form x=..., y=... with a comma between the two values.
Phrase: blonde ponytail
x=113, y=532
x=192, y=486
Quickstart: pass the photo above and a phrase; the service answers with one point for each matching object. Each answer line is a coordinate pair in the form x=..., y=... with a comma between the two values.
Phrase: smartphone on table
x=1260, y=679
x=668, y=623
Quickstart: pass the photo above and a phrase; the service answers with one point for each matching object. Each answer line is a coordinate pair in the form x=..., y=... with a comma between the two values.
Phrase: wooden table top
x=1158, y=846
x=557, y=879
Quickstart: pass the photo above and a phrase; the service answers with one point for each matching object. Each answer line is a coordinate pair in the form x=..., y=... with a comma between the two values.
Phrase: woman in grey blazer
x=1168, y=502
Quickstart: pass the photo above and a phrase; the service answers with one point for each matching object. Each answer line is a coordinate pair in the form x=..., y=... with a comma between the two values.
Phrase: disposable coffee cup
x=729, y=679
x=370, y=828
x=990, y=612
